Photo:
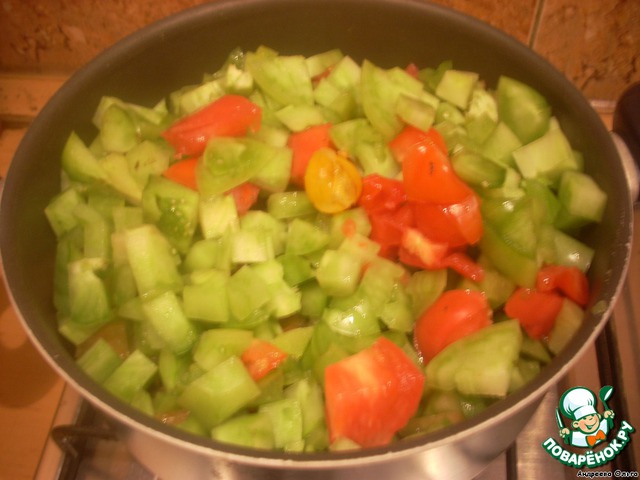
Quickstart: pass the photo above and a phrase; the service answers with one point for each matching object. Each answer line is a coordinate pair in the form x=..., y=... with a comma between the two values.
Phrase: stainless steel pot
x=175, y=52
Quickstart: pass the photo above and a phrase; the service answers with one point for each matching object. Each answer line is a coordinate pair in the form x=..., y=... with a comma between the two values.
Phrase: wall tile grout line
x=537, y=19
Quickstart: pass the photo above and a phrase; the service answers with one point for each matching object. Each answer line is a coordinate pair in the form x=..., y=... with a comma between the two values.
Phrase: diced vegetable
x=372, y=394
x=454, y=315
x=312, y=254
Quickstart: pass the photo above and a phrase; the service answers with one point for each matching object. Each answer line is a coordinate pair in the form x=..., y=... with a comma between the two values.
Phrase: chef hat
x=578, y=402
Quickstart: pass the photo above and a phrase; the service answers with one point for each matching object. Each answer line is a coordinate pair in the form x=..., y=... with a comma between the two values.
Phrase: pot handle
x=626, y=135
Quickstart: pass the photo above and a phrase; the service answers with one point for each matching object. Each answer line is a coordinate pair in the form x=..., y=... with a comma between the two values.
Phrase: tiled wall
x=596, y=43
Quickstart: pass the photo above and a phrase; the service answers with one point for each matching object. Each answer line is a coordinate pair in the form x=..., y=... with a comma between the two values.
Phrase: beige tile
x=62, y=35
x=515, y=17
x=595, y=43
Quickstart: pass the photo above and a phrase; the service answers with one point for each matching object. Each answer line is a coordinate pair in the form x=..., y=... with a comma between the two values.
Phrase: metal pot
x=176, y=51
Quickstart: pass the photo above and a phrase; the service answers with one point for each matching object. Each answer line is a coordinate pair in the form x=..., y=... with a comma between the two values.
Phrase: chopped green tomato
x=131, y=376
x=286, y=422
x=478, y=364
x=60, y=209
x=152, y=262
x=173, y=208
x=339, y=272
x=567, y=324
x=217, y=345
x=117, y=130
x=380, y=90
x=220, y=392
x=252, y=430
x=546, y=158
x=168, y=320
x=228, y=162
x=79, y=163
x=581, y=197
x=523, y=109
x=456, y=87
x=88, y=298
x=285, y=79
x=99, y=361
x=206, y=298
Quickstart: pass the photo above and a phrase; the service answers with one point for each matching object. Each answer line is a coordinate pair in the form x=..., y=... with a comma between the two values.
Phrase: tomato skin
x=261, y=357
x=570, y=281
x=381, y=194
x=183, y=172
x=387, y=228
x=429, y=177
x=245, y=196
x=536, y=311
x=369, y=396
x=462, y=264
x=304, y=144
x=228, y=116
x=457, y=224
x=332, y=181
x=411, y=137
x=426, y=170
x=413, y=70
x=454, y=315
x=420, y=250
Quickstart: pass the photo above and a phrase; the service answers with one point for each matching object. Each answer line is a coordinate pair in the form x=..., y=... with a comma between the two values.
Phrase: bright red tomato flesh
x=372, y=394
x=454, y=315
x=536, y=311
x=261, y=357
x=228, y=116
x=457, y=224
x=303, y=145
x=570, y=281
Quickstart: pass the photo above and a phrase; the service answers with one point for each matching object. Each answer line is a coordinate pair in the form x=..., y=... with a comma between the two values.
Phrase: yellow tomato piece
x=332, y=181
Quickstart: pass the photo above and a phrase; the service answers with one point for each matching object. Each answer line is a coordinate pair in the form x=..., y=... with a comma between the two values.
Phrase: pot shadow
x=25, y=376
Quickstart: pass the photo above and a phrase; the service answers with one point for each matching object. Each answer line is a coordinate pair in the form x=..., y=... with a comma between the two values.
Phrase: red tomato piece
x=389, y=251
x=413, y=70
x=416, y=248
x=429, y=177
x=245, y=196
x=372, y=394
x=388, y=228
x=536, y=311
x=457, y=224
x=456, y=261
x=454, y=315
x=571, y=281
x=381, y=194
x=462, y=264
x=228, y=116
x=261, y=357
x=304, y=144
x=183, y=172
x=411, y=137
x=321, y=76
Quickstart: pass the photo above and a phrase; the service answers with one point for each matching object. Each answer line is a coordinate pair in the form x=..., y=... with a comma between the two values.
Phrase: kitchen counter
x=30, y=391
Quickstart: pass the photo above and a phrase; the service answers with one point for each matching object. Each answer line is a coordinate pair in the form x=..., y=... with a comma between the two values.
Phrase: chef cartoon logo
x=588, y=428
x=582, y=425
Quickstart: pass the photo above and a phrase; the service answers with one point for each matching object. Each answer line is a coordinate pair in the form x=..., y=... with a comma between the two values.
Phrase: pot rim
x=494, y=414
